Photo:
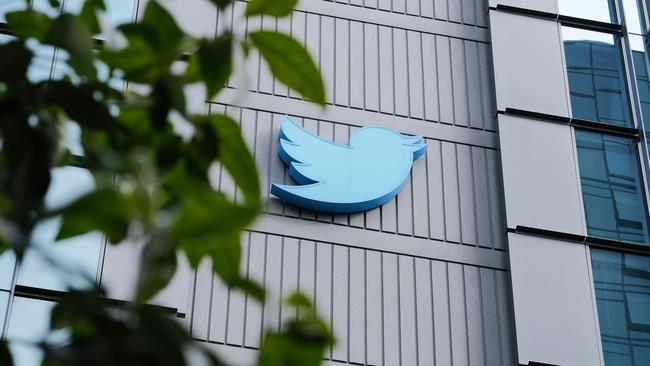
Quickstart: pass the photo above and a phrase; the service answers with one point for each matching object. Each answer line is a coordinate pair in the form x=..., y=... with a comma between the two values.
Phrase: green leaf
x=236, y=158
x=71, y=33
x=291, y=64
x=193, y=71
x=5, y=355
x=80, y=104
x=105, y=210
x=215, y=60
x=158, y=265
x=29, y=24
x=14, y=62
x=276, y=8
x=298, y=299
x=221, y=4
x=89, y=15
x=167, y=94
x=168, y=35
x=250, y=287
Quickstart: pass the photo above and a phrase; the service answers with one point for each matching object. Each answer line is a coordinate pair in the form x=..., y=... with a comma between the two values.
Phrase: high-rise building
x=521, y=238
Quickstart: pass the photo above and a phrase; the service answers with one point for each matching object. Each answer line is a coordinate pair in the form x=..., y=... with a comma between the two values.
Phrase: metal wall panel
x=553, y=302
x=466, y=12
x=549, y=6
x=542, y=187
x=385, y=308
x=528, y=66
x=395, y=68
x=453, y=194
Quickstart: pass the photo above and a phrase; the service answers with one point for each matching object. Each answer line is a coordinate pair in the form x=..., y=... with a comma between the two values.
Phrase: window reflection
x=633, y=16
x=7, y=6
x=79, y=254
x=117, y=11
x=622, y=283
x=599, y=10
x=596, y=77
x=611, y=187
x=4, y=301
x=29, y=322
x=7, y=264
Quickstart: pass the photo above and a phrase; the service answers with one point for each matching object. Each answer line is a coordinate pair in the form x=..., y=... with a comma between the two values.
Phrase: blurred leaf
x=104, y=209
x=139, y=61
x=167, y=94
x=298, y=299
x=193, y=71
x=14, y=62
x=250, y=287
x=276, y=8
x=167, y=34
x=5, y=355
x=28, y=24
x=301, y=343
x=80, y=104
x=71, y=33
x=89, y=15
x=215, y=59
x=55, y=3
x=158, y=265
x=291, y=64
x=221, y=4
x=236, y=158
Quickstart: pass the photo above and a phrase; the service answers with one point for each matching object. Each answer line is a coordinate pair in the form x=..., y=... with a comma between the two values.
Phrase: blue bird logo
x=339, y=178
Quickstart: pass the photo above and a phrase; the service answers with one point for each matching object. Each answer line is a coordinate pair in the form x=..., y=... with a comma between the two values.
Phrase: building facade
x=521, y=237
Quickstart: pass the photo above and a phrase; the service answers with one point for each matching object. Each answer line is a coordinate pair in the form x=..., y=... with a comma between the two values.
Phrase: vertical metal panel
x=553, y=302
x=497, y=212
x=420, y=199
x=459, y=81
x=445, y=83
x=435, y=182
x=273, y=281
x=327, y=56
x=466, y=195
x=357, y=65
x=400, y=72
x=441, y=313
x=474, y=88
x=374, y=308
x=474, y=313
x=202, y=298
x=527, y=48
x=290, y=268
x=324, y=283
x=218, y=311
x=415, y=77
x=491, y=321
x=451, y=199
x=342, y=62
x=386, y=73
x=390, y=313
x=487, y=86
x=357, y=306
x=430, y=77
x=340, y=304
x=481, y=197
x=256, y=272
x=407, y=311
x=371, y=66
x=236, y=308
x=424, y=312
x=458, y=314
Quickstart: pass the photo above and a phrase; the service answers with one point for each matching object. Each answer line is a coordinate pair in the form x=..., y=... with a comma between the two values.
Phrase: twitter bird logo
x=340, y=178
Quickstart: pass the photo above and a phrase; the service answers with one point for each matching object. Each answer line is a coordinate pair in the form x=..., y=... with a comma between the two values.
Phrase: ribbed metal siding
x=383, y=69
x=453, y=194
x=384, y=308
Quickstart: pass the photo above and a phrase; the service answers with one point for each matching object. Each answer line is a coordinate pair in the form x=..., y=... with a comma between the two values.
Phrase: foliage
x=151, y=182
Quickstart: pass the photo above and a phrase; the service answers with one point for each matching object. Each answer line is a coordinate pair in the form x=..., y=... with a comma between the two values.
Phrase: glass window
x=7, y=6
x=79, y=255
x=599, y=10
x=622, y=283
x=633, y=16
x=29, y=322
x=4, y=300
x=611, y=187
x=7, y=264
x=117, y=11
x=596, y=77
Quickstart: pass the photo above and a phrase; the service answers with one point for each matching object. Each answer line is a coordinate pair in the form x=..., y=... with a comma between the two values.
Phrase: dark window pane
x=596, y=77
x=599, y=10
x=611, y=187
x=622, y=283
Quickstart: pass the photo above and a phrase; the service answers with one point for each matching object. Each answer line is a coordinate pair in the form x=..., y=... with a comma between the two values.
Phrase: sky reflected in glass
x=599, y=10
x=29, y=322
x=80, y=254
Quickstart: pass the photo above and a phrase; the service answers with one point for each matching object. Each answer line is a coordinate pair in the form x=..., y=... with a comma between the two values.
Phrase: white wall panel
x=552, y=292
x=528, y=68
x=540, y=175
